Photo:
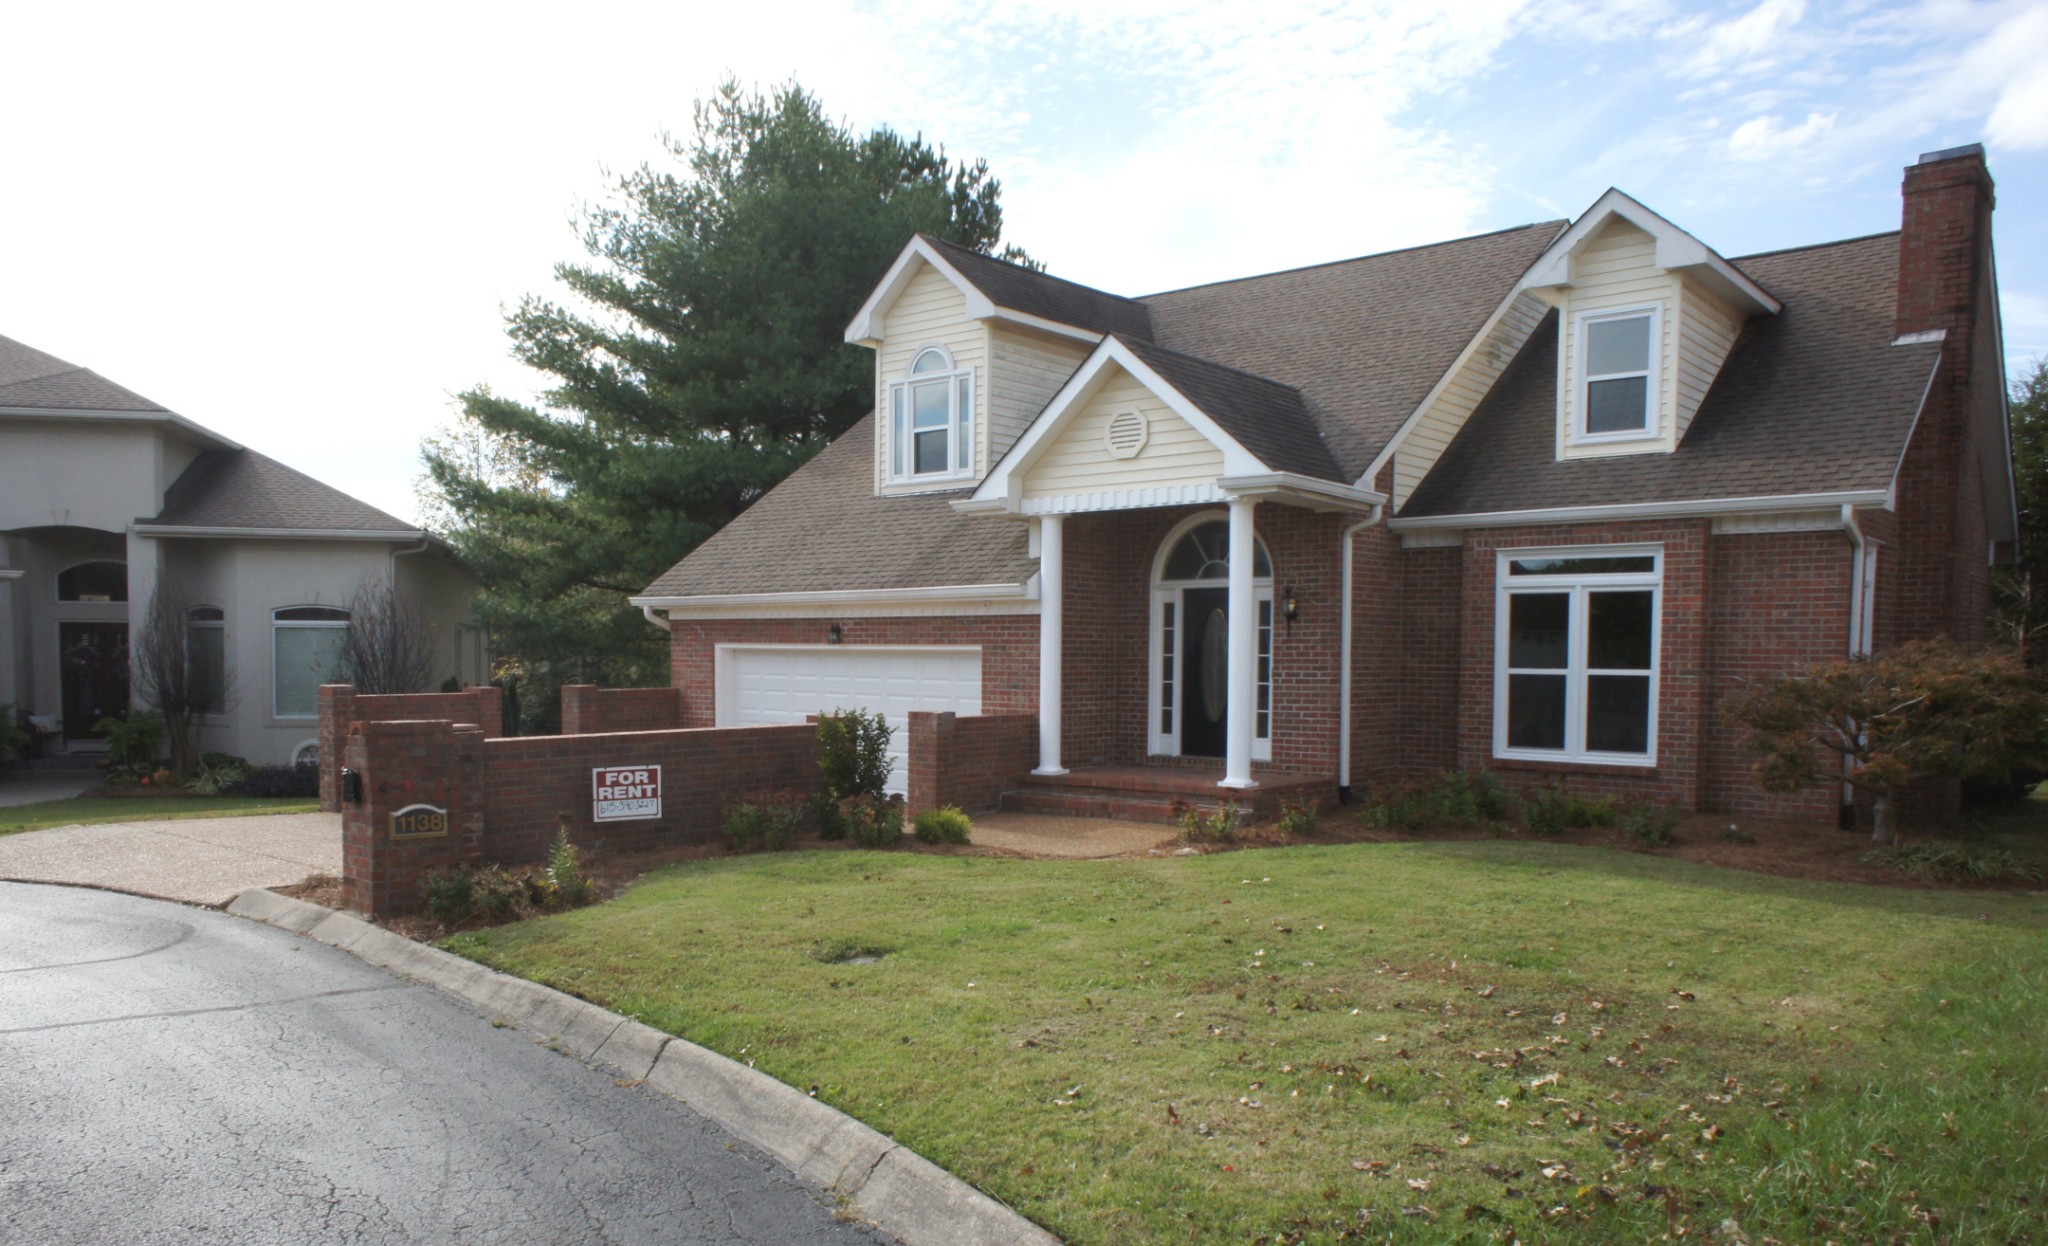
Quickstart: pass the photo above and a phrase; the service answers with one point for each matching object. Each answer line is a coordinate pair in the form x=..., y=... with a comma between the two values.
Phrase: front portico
x=1147, y=482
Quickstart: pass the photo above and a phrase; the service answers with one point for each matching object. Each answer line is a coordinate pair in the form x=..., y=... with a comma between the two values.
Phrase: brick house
x=1533, y=501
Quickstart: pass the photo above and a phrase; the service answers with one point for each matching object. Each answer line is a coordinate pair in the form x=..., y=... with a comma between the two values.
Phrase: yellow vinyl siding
x=1025, y=371
x=1077, y=461
x=1470, y=379
x=930, y=312
x=1618, y=268
x=1706, y=333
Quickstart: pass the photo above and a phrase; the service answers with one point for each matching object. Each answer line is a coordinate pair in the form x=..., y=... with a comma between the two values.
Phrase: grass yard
x=82, y=809
x=1417, y=1042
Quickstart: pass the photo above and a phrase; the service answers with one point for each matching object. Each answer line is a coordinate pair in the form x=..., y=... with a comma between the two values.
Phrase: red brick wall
x=406, y=763
x=968, y=762
x=588, y=709
x=1431, y=628
x=341, y=705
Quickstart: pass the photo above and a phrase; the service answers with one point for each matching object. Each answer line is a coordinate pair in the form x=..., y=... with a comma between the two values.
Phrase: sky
x=301, y=225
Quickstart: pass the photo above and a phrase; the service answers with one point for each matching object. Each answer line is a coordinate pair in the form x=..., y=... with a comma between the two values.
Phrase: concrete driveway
x=197, y=860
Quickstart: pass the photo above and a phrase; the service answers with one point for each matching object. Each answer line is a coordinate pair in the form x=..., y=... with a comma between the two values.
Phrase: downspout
x=1857, y=648
x=661, y=621
x=1344, y=658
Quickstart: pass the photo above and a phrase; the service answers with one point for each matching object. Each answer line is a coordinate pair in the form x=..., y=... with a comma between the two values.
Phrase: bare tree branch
x=389, y=646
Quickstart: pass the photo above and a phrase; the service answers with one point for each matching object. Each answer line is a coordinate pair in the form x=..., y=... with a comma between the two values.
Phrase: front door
x=1205, y=672
x=95, y=661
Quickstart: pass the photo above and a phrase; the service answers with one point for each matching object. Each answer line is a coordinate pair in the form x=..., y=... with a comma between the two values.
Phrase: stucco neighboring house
x=104, y=493
x=1536, y=500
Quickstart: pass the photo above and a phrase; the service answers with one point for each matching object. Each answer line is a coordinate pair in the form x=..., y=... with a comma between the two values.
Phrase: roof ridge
x=1355, y=259
x=1039, y=273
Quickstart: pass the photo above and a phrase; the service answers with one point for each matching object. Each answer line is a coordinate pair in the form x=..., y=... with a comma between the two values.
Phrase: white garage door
x=767, y=685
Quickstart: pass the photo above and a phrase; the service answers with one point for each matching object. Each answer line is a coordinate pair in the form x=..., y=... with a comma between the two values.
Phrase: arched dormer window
x=931, y=419
x=100, y=580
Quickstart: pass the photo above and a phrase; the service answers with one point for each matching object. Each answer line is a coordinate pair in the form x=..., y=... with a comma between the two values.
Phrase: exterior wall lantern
x=835, y=634
x=1290, y=605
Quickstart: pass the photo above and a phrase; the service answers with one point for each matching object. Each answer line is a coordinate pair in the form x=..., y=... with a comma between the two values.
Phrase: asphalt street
x=172, y=1074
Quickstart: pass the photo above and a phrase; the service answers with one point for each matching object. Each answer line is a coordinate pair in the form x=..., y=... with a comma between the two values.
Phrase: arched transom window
x=102, y=580
x=1190, y=635
x=931, y=419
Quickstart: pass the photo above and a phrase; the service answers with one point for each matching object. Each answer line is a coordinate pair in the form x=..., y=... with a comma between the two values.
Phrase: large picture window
x=306, y=646
x=1575, y=654
x=1617, y=359
x=931, y=420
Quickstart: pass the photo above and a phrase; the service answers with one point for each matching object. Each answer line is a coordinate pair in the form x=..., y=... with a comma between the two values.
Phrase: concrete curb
x=895, y=1189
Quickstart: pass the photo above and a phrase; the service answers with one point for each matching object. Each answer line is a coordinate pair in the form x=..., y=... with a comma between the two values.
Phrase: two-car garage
x=766, y=685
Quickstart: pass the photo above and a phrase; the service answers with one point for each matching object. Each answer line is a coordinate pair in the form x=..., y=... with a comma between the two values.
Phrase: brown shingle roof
x=1813, y=400
x=1364, y=340
x=1044, y=295
x=244, y=489
x=35, y=379
x=824, y=530
x=1267, y=418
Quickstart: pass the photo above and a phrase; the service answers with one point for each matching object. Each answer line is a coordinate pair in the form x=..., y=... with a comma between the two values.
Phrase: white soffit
x=1676, y=251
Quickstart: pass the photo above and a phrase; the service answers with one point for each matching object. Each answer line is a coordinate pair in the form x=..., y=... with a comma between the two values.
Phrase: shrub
x=825, y=815
x=502, y=895
x=1217, y=826
x=1648, y=822
x=764, y=821
x=1453, y=798
x=214, y=773
x=568, y=887
x=1948, y=861
x=449, y=895
x=1553, y=809
x=872, y=821
x=943, y=826
x=133, y=741
x=278, y=781
x=853, y=753
x=14, y=736
x=1297, y=817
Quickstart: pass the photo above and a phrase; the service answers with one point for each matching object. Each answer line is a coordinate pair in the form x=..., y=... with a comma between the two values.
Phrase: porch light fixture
x=1290, y=605
x=835, y=634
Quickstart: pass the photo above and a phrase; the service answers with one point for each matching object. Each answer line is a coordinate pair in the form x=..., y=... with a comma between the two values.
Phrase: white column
x=1052, y=617
x=144, y=556
x=1244, y=647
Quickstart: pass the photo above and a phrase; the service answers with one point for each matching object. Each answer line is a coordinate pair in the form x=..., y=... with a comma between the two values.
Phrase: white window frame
x=1652, y=378
x=277, y=625
x=1162, y=742
x=900, y=451
x=1579, y=586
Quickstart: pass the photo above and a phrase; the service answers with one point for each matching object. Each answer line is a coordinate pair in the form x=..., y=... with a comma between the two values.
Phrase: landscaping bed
x=1479, y=1041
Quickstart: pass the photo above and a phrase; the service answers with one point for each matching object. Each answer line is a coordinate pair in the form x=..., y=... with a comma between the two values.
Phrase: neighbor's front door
x=1205, y=672
x=95, y=661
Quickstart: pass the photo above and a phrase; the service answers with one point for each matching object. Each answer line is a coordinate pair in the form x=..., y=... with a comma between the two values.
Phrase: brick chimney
x=1944, y=241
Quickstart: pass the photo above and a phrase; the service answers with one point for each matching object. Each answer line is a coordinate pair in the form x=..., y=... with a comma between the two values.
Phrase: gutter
x=659, y=620
x=284, y=534
x=1344, y=658
x=1700, y=508
x=845, y=596
x=1859, y=626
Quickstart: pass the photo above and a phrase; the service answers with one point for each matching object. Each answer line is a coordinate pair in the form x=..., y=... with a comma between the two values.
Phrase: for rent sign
x=625, y=793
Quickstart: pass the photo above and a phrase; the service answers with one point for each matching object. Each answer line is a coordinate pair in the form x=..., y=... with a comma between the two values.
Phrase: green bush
x=766, y=821
x=824, y=809
x=133, y=741
x=1217, y=826
x=872, y=821
x=567, y=885
x=14, y=737
x=1453, y=798
x=853, y=753
x=1649, y=823
x=450, y=895
x=215, y=773
x=943, y=826
x=1553, y=809
x=1948, y=861
x=501, y=894
x=1296, y=817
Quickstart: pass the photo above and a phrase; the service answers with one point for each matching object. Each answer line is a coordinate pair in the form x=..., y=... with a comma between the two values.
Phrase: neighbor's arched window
x=305, y=644
x=101, y=580
x=931, y=419
x=206, y=667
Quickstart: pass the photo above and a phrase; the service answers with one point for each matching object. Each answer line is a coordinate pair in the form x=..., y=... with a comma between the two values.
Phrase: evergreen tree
x=2020, y=592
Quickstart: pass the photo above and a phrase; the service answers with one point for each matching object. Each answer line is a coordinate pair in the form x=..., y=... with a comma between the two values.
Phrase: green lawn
x=1426, y=1042
x=142, y=808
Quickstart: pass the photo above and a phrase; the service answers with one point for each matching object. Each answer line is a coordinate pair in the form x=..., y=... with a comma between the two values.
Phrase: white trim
x=1675, y=249
x=868, y=324
x=845, y=597
x=6, y=574
x=124, y=417
x=1576, y=671
x=283, y=534
x=1787, y=521
x=1166, y=743
x=1052, y=618
x=1691, y=509
x=1433, y=538
x=1293, y=486
x=1116, y=500
x=1005, y=482
x=960, y=431
x=1025, y=320
x=1652, y=429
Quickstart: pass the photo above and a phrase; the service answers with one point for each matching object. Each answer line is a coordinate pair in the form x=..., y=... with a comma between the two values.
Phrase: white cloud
x=2019, y=120
x=1752, y=43
x=1765, y=138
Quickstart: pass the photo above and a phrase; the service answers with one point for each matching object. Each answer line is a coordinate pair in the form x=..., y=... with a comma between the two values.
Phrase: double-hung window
x=931, y=420
x=1618, y=364
x=1576, y=636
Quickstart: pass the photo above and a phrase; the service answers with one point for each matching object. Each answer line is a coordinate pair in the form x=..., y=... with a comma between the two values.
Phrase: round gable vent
x=1126, y=434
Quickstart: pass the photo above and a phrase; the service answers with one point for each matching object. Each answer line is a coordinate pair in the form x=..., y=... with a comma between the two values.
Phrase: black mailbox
x=351, y=786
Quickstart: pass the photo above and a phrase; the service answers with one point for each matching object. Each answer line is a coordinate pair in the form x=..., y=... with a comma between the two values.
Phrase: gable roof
x=1363, y=340
x=823, y=530
x=1265, y=417
x=1814, y=400
x=36, y=380
x=1035, y=293
x=1675, y=249
x=244, y=489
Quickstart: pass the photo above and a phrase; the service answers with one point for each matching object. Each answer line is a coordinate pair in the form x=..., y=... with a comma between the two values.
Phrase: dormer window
x=1617, y=360
x=931, y=420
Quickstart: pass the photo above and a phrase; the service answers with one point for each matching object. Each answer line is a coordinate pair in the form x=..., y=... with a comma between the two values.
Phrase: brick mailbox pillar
x=337, y=709
x=420, y=808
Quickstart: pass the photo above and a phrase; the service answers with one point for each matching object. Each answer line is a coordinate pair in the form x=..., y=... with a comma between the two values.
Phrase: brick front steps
x=1148, y=793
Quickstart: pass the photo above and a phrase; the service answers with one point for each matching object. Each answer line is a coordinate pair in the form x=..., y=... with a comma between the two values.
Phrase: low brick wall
x=968, y=762
x=506, y=798
x=590, y=710
x=341, y=705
